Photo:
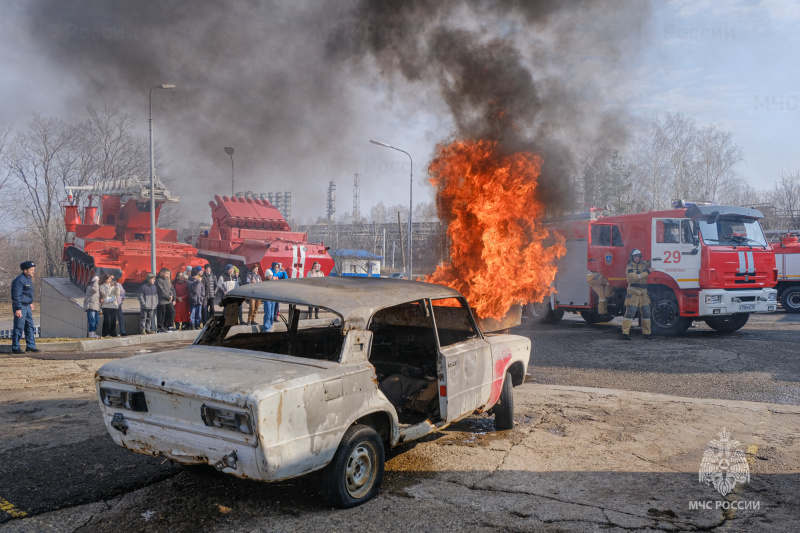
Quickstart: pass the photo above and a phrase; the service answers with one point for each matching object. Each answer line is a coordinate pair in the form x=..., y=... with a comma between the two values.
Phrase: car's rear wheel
x=504, y=408
x=728, y=324
x=355, y=474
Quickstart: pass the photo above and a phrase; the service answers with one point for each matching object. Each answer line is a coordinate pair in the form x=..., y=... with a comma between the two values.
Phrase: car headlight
x=125, y=399
x=227, y=419
x=713, y=298
x=773, y=296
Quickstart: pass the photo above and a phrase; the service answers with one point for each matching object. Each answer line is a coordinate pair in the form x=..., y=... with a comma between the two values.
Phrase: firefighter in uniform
x=600, y=285
x=637, y=298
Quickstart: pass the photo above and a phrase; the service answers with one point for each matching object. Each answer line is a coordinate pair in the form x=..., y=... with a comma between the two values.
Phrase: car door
x=674, y=251
x=465, y=359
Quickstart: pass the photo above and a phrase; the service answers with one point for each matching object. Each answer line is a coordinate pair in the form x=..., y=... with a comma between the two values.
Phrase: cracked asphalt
x=610, y=436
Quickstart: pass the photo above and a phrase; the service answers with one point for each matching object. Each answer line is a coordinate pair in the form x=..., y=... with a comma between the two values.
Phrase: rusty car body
x=389, y=361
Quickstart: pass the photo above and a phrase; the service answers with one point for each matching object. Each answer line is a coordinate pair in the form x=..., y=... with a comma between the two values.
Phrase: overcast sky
x=731, y=63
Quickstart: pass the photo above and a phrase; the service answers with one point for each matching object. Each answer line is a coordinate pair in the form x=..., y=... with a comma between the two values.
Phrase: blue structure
x=356, y=263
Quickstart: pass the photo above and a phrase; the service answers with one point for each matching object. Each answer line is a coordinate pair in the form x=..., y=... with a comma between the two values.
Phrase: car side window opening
x=454, y=322
x=288, y=336
x=405, y=354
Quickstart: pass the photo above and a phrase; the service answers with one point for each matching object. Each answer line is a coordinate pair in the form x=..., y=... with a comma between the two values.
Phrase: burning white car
x=393, y=361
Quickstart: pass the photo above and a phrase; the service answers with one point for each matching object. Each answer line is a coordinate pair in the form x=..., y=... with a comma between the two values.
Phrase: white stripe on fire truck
x=294, y=261
x=742, y=264
x=751, y=264
x=302, y=261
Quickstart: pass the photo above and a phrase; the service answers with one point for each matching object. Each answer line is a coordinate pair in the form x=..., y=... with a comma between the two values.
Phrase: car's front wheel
x=504, y=408
x=355, y=474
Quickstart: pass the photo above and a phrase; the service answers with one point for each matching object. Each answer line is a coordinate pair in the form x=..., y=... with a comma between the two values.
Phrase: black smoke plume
x=288, y=82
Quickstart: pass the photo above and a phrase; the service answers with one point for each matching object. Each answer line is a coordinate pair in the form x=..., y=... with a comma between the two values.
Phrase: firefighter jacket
x=637, y=277
x=21, y=292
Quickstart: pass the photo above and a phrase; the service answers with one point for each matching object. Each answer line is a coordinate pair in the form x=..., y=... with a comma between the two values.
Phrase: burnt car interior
x=405, y=346
x=317, y=341
x=404, y=354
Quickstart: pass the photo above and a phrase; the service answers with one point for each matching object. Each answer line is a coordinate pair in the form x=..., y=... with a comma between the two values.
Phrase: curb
x=86, y=345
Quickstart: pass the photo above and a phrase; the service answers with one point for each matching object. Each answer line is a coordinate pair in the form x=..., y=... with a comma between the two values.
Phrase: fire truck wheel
x=553, y=317
x=541, y=313
x=593, y=317
x=729, y=323
x=790, y=300
x=666, y=318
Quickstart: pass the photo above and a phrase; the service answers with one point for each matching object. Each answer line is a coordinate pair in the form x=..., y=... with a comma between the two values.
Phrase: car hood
x=222, y=374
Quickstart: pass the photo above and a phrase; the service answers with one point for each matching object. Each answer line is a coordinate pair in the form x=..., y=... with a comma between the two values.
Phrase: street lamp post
x=153, y=183
x=229, y=151
x=410, y=199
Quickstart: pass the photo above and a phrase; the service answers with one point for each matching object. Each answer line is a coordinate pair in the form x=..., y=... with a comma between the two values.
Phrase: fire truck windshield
x=732, y=232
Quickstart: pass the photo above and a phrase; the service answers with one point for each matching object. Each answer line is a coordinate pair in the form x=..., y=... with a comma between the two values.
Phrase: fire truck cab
x=708, y=263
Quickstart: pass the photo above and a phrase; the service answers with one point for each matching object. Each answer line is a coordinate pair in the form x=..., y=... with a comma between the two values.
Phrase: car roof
x=356, y=299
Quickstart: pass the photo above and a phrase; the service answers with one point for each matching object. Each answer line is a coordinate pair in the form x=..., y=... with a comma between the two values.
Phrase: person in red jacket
x=182, y=318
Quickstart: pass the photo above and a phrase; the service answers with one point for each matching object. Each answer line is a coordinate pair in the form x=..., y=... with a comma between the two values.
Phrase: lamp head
x=229, y=150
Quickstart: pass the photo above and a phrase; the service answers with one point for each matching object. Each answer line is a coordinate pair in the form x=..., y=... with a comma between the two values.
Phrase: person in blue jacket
x=22, y=303
x=278, y=273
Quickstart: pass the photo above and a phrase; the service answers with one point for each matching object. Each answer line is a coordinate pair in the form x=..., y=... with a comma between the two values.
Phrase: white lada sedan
x=389, y=361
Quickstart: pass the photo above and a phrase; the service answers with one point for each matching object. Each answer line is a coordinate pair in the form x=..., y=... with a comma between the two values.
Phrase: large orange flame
x=498, y=257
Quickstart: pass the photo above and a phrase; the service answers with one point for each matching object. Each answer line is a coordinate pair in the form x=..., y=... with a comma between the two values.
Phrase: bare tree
x=606, y=177
x=5, y=134
x=41, y=163
x=785, y=199
x=675, y=159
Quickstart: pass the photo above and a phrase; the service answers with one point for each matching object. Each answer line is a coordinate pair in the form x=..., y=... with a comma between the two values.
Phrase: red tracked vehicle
x=117, y=241
x=248, y=231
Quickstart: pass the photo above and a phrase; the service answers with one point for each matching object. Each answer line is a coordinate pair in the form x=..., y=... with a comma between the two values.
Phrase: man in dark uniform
x=22, y=303
x=637, y=298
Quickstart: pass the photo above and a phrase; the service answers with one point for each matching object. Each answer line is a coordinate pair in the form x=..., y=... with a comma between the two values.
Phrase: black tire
x=535, y=311
x=540, y=313
x=553, y=317
x=355, y=474
x=790, y=300
x=728, y=323
x=665, y=316
x=593, y=317
x=504, y=408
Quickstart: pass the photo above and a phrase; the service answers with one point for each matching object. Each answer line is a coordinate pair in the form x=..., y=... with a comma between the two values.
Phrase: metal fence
x=6, y=333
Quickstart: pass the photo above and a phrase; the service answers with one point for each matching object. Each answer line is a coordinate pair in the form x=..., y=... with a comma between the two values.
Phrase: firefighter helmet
x=635, y=251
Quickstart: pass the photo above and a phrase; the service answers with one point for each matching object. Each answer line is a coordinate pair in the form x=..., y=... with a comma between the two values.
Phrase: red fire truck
x=787, y=258
x=709, y=263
